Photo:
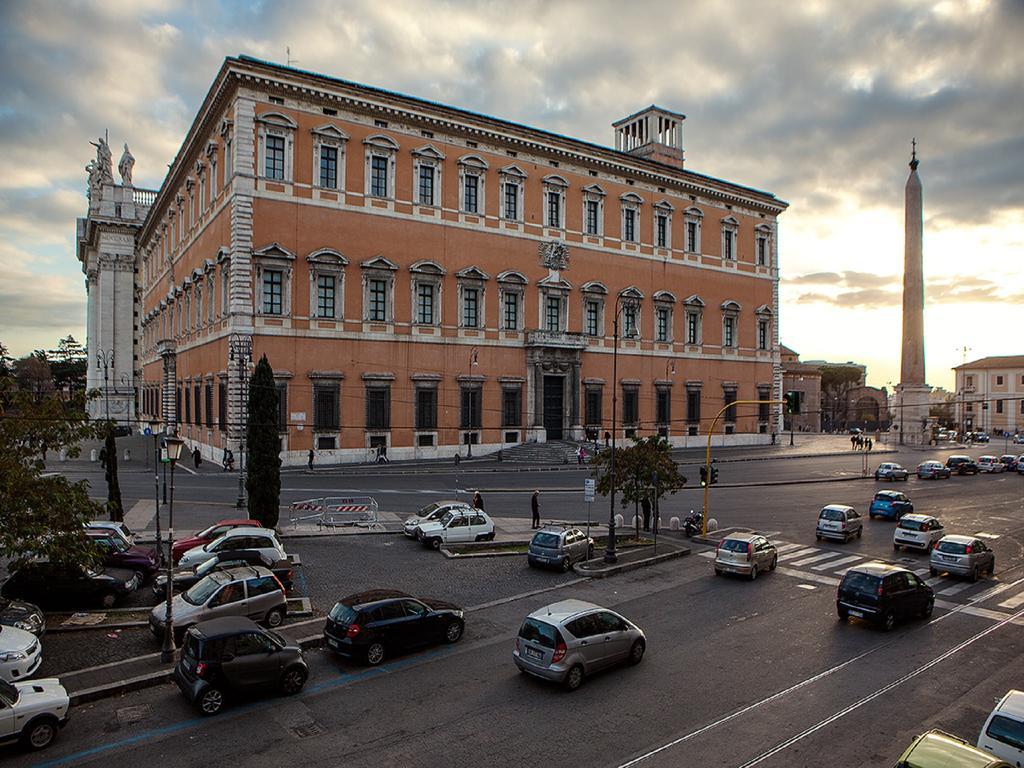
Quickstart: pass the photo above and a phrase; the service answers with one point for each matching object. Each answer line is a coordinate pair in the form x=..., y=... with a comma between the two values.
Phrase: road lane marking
x=955, y=589
x=709, y=554
x=840, y=561
x=878, y=693
x=986, y=535
x=799, y=553
x=819, y=578
x=1013, y=602
x=780, y=548
x=816, y=558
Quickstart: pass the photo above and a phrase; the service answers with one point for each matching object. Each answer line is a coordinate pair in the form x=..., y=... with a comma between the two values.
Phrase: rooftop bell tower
x=653, y=133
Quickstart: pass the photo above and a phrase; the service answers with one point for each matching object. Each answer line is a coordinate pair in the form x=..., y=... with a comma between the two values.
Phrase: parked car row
x=449, y=522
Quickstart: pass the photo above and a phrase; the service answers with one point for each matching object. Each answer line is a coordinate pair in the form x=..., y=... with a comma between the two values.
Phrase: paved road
x=737, y=674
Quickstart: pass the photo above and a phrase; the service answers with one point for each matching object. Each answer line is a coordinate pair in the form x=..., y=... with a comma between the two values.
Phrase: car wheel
x=876, y=477
x=844, y=615
x=375, y=653
x=871, y=516
x=888, y=621
x=40, y=733
x=453, y=632
x=906, y=478
x=896, y=547
x=530, y=563
x=992, y=567
x=974, y=574
x=753, y=572
x=860, y=532
x=574, y=678
x=293, y=680
x=590, y=552
x=108, y=600
x=274, y=618
x=816, y=536
x=927, y=612
x=489, y=536
x=718, y=571
x=565, y=565
x=435, y=543
x=775, y=563
x=211, y=701
x=636, y=653
x=933, y=572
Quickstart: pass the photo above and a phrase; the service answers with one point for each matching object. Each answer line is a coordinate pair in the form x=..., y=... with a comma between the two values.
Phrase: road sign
x=147, y=431
x=589, y=487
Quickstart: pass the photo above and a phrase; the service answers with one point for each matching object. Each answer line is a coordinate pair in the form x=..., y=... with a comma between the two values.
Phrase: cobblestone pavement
x=68, y=651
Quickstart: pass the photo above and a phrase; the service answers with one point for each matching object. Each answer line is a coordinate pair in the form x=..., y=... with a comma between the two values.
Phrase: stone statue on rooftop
x=125, y=165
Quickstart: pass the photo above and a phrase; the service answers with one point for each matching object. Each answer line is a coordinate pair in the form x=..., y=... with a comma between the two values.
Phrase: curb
x=611, y=570
x=84, y=628
x=696, y=487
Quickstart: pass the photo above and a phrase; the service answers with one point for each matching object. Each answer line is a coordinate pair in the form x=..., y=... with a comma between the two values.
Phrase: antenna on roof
x=288, y=56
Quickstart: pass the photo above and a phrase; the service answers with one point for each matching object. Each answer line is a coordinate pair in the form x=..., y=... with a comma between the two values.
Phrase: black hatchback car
x=961, y=465
x=234, y=655
x=51, y=585
x=371, y=626
x=883, y=594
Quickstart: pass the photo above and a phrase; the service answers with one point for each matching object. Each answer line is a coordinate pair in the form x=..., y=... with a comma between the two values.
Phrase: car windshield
x=117, y=545
x=912, y=525
x=549, y=540
x=883, y=496
x=343, y=614
x=8, y=693
x=735, y=545
x=448, y=517
x=860, y=582
x=952, y=547
x=831, y=514
x=206, y=567
x=200, y=592
x=428, y=510
x=540, y=633
x=207, y=533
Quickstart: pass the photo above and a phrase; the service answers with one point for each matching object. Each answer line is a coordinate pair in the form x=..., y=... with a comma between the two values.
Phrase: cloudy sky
x=814, y=101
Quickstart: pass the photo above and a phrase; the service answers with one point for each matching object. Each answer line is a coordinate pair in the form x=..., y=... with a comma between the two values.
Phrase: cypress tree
x=263, y=483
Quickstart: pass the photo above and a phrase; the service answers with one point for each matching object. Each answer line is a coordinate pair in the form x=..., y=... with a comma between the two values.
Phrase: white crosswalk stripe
x=1013, y=603
x=840, y=561
x=798, y=553
x=956, y=588
x=780, y=548
x=815, y=558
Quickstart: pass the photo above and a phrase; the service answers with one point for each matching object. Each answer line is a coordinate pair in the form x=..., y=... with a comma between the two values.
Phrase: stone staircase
x=553, y=452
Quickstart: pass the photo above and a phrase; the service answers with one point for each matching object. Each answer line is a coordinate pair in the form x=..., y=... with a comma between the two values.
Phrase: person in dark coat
x=309, y=459
x=535, y=507
x=478, y=501
x=645, y=507
x=197, y=457
x=103, y=458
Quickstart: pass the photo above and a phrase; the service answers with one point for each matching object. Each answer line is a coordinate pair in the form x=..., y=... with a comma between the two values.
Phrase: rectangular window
x=425, y=303
x=730, y=397
x=325, y=294
x=470, y=307
x=593, y=406
x=763, y=409
x=208, y=407
x=378, y=176
x=970, y=381
x=727, y=245
x=378, y=407
x=511, y=201
x=629, y=320
x=471, y=193
x=222, y=405
x=273, y=292
x=664, y=406
x=275, y=157
x=329, y=167
x=662, y=316
x=999, y=406
x=592, y=217
x=692, y=320
x=470, y=415
x=762, y=334
x=691, y=236
x=693, y=406
x=999, y=381
x=630, y=405
x=729, y=332
x=196, y=399
x=188, y=405
x=552, y=315
x=282, y=406
x=762, y=251
x=426, y=185
x=325, y=406
x=592, y=315
x=177, y=405
x=662, y=234
x=426, y=408
x=629, y=227
x=511, y=407
x=554, y=209
x=378, y=290
x=511, y=311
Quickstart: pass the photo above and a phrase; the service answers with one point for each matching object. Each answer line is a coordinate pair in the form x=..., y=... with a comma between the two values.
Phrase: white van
x=1003, y=732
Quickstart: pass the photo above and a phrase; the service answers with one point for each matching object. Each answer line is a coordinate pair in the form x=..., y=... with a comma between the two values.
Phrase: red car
x=207, y=535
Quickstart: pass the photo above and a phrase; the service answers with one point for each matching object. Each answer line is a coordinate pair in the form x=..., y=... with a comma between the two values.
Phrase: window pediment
x=208, y=266
x=632, y=292
x=512, y=277
x=197, y=275
x=554, y=283
x=223, y=254
x=694, y=301
x=763, y=228
x=764, y=309
x=425, y=267
x=379, y=262
x=380, y=141
x=554, y=180
x=472, y=273
x=329, y=131
x=694, y=212
x=473, y=161
x=730, y=306
x=211, y=150
x=327, y=256
x=278, y=119
x=274, y=251
x=226, y=126
x=429, y=152
x=664, y=205
x=730, y=221
x=595, y=189
x=594, y=287
x=513, y=170
x=632, y=198
x=665, y=296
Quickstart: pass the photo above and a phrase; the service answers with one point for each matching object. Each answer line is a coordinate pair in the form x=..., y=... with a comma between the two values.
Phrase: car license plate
x=949, y=558
x=533, y=653
x=857, y=614
x=332, y=642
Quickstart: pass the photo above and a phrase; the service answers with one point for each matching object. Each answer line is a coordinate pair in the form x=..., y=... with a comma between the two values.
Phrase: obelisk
x=912, y=391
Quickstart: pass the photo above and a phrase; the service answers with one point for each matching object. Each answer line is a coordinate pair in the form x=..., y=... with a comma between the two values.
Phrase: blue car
x=891, y=505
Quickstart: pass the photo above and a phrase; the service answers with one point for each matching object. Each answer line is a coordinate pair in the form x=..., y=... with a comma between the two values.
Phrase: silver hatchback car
x=962, y=556
x=838, y=521
x=566, y=641
x=559, y=546
x=745, y=553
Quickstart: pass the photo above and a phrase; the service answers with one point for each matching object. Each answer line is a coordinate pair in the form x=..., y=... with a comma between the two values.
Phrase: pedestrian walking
x=309, y=459
x=870, y=443
x=535, y=507
x=853, y=442
x=103, y=458
x=773, y=438
x=197, y=457
x=229, y=460
x=607, y=438
x=478, y=501
x=580, y=455
x=645, y=506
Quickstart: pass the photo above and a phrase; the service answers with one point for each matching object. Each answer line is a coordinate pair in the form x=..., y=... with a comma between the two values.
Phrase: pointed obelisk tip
x=913, y=154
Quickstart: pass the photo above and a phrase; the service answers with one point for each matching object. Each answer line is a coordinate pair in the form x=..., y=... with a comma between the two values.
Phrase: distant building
x=990, y=395
x=834, y=406
x=806, y=380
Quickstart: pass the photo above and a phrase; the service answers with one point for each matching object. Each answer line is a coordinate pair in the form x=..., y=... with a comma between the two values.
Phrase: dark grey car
x=962, y=556
x=560, y=547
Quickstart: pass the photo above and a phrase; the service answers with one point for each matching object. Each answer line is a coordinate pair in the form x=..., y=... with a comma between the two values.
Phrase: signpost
x=589, y=488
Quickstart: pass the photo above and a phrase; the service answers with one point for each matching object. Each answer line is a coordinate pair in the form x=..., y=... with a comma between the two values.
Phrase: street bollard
x=92, y=455
x=127, y=454
x=618, y=521
x=63, y=455
x=673, y=524
x=712, y=524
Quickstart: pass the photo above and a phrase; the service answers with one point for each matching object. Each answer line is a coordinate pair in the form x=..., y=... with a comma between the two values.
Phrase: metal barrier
x=336, y=511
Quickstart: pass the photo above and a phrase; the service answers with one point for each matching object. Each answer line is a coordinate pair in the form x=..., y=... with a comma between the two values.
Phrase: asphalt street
x=737, y=673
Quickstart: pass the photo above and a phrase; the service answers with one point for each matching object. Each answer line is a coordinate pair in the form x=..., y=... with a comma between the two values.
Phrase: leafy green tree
x=33, y=374
x=42, y=515
x=5, y=361
x=644, y=469
x=263, y=445
x=68, y=363
x=115, y=507
x=836, y=383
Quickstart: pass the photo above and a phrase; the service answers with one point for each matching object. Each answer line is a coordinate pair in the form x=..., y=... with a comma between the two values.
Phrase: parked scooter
x=694, y=523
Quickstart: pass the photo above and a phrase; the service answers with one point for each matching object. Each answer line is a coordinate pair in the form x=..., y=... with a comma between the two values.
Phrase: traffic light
x=792, y=402
x=714, y=475
x=703, y=475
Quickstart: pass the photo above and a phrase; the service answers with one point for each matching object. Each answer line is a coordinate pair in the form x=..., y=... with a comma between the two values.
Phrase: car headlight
x=12, y=655
x=26, y=625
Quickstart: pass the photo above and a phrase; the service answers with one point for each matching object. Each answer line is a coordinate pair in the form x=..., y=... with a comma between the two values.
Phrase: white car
x=838, y=521
x=262, y=540
x=889, y=470
x=915, y=531
x=1003, y=732
x=20, y=653
x=32, y=712
x=990, y=464
x=457, y=526
x=116, y=529
x=435, y=510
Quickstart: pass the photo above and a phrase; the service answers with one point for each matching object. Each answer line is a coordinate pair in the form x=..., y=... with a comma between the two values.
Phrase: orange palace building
x=426, y=279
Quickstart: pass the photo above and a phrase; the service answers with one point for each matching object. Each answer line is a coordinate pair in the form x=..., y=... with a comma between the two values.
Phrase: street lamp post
x=472, y=363
x=241, y=352
x=609, y=552
x=173, y=445
x=153, y=426
x=105, y=360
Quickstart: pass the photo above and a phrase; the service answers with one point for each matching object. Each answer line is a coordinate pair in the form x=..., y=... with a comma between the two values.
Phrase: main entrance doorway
x=554, y=406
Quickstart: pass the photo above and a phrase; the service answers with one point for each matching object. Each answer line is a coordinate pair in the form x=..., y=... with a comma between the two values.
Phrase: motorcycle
x=694, y=523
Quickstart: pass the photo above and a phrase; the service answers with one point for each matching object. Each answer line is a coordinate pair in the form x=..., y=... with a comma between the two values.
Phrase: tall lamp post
x=154, y=426
x=620, y=305
x=472, y=364
x=240, y=352
x=105, y=360
x=173, y=445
